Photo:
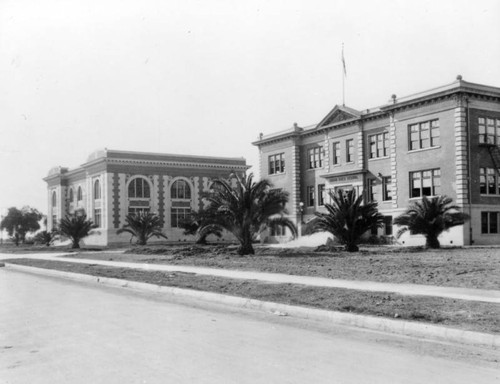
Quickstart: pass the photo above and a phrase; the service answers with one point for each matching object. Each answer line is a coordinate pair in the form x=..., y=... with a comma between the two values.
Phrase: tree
x=20, y=222
x=347, y=218
x=75, y=227
x=45, y=237
x=430, y=217
x=201, y=224
x=245, y=208
x=143, y=226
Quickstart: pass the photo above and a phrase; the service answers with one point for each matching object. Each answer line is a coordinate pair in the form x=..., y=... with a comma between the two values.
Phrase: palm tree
x=143, y=226
x=347, y=218
x=75, y=227
x=245, y=208
x=201, y=224
x=430, y=217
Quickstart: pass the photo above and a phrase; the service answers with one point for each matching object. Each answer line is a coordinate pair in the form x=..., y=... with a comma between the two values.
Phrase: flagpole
x=343, y=76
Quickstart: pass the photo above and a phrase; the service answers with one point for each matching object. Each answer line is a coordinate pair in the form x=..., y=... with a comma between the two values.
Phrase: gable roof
x=339, y=113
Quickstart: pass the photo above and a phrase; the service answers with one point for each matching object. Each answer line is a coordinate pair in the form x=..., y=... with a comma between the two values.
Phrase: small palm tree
x=75, y=227
x=143, y=226
x=245, y=208
x=430, y=217
x=347, y=218
x=201, y=224
x=45, y=237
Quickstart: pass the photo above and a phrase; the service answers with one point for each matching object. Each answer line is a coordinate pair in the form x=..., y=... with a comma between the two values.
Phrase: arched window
x=54, y=199
x=97, y=190
x=71, y=196
x=79, y=196
x=180, y=190
x=139, y=188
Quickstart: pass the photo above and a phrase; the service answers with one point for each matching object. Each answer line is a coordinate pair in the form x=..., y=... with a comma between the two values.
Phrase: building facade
x=112, y=184
x=443, y=141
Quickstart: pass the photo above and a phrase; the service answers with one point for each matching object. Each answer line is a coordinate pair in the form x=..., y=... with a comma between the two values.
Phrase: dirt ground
x=453, y=267
x=474, y=316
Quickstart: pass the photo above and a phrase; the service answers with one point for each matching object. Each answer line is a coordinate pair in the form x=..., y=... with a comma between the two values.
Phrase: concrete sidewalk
x=482, y=295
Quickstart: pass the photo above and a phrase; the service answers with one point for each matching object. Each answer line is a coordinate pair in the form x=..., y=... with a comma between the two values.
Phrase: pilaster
x=461, y=155
x=393, y=156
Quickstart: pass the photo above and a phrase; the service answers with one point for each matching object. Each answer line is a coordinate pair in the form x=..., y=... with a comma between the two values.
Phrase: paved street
x=57, y=331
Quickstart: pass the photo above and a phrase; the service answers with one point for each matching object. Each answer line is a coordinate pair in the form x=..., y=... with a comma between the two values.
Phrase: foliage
x=245, y=208
x=75, y=227
x=430, y=217
x=200, y=224
x=348, y=219
x=45, y=237
x=19, y=222
x=143, y=226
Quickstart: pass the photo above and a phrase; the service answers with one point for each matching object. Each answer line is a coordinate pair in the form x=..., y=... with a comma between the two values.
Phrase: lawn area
x=461, y=314
x=453, y=267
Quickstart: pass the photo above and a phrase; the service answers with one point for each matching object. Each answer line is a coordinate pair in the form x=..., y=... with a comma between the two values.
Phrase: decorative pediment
x=338, y=114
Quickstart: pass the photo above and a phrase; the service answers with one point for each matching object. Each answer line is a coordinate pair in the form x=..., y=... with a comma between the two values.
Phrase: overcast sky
x=206, y=77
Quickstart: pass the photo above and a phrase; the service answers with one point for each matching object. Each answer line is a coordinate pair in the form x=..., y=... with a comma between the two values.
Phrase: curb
x=406, y=328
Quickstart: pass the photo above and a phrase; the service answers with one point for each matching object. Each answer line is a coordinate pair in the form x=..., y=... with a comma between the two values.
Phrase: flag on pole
x=343, y=60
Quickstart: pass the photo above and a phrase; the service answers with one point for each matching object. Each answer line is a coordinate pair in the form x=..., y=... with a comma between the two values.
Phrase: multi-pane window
x=278, y=230
x=277, y=163
x=137, y=210
x=489, y=182
x=97, y=190
x=97, y=217
x=424, y=135
x=310, y=196
x=178, y=215
x=321, y=194
x=388, y=225
x=336, y=152
x=54, y=221
x=315, y=157
x=489, y=130
x=349, y=144
x=371, y=190
x=139, y=188
x=386, y=188
x=379, y=145
x=425, y=183
x=489, y=222
x=180, y=190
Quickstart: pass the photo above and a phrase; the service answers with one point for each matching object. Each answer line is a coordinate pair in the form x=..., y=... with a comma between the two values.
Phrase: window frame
x=435, y=175
x=145, y=187
x=276, y=163
x=487, y=130
x=488, y=180
x=315, y=157
x=349, y=153
x=386, y=188
x=98, y=217
x=336, y=154
x=378, y=142
x=431, y=127
x=177, y=195
x=488, y=225
x=321, y=195
x=310, y=196
x=97, y=189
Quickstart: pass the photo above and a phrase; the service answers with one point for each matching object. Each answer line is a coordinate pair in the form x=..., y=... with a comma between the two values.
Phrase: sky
x=206, y=77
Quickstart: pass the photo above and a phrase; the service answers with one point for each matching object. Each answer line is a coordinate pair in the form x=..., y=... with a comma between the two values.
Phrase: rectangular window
x=425, y=183
x=489, y=222
x=278, y=230
x=336, y=153
x=179, y=214
x=315, y=157
x=97, y=218
x=137, y=210
x=54, y=221
x=424, y=135
x=489, y=130
x=349, y=144
x=321, y=194
x=388, y=225
x=386, y=188
x=277, y=163
x=489, y=182
x=371, y=190
x=379, y=145
x=310, y=196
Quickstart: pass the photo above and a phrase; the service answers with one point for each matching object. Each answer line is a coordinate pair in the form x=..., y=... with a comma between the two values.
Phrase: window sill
x=379, y=158
x=489, y=195
x=421, y=197
x=276, y=174
x=423, y=149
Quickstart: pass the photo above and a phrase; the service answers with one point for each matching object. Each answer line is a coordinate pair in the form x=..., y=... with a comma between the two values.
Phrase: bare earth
x=457, y=267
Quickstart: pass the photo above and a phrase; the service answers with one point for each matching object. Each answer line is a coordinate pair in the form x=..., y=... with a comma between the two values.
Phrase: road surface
x=57, y=331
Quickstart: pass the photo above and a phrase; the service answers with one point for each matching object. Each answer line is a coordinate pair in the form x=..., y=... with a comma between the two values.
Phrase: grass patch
x=467, y=315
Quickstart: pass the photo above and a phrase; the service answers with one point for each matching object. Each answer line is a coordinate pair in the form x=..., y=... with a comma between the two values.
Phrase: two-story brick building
x=438, y=142
x=111, y=184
